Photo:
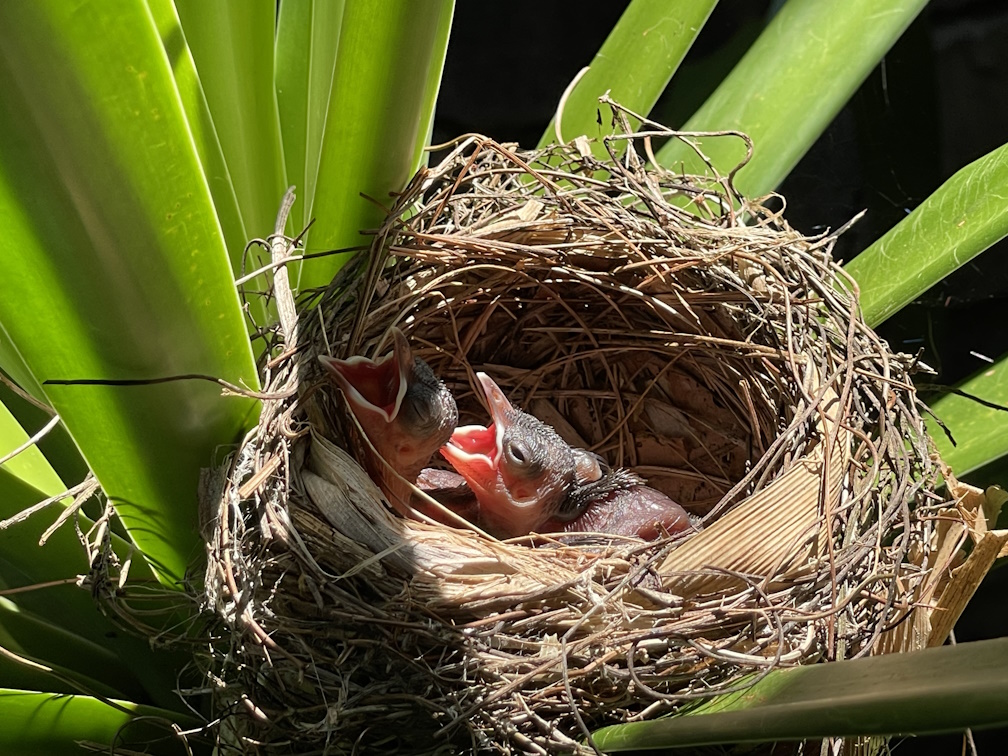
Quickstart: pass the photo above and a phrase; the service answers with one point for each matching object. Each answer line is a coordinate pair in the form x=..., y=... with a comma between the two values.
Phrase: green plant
x=143, y=143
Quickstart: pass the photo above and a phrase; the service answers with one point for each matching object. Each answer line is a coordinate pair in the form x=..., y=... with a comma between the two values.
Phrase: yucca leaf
x=232, y=46
x=25, y=480
x=51, y=723
x=74, y=659
x=14, y=366
x=201, y=128
x=978, y=430
x=634, y=64
x=307, y=37
x=936, y=690
x=962, y=218
x=116, y=259
x=56, y=446
x=388, y=64
x=29, y=465
x=792, y=82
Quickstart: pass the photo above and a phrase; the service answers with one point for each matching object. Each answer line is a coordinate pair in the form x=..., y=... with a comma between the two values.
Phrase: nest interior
x=660, y=320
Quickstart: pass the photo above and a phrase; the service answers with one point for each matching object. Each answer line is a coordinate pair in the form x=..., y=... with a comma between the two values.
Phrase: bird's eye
x=517, y=453
x=416, y=414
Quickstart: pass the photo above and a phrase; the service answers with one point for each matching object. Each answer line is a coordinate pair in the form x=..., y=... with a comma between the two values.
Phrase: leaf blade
x=307, y=39
x=635, y=63
x=232, y=47
x=53, y=723
x=935, y=690
x=122, y=273
x=789, y=86
x=389, y=59
x=959, y=220
x=973, y=425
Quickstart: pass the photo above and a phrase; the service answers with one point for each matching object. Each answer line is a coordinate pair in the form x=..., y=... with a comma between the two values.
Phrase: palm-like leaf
x=163, y=138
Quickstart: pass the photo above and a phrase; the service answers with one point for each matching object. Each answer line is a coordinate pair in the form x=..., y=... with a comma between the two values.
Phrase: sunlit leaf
x=306, y=41
x=943, y=689
x=634, y=64
x=388, y=67
x=979, y=430
x=51, y=723
x=121, y=270
x=201, y=128
x=962, y=218
x=785, y=91
x=232, y=46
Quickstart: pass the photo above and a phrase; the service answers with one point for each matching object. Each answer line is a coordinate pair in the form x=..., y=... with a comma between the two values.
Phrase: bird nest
x=662, y=321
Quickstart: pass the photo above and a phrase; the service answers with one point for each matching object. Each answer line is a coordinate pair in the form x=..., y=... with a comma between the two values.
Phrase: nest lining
x=713, y=350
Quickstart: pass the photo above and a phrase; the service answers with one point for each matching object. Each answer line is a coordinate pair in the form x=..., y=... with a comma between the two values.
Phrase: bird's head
x=519, y=468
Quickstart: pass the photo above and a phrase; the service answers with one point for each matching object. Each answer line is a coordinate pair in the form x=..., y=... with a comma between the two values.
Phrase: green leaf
x=94, y=668
x=201, y=128
x=962, y=218
x=977, y=429
x=635, y=62
x=120, y=271
x=56, y=446
x=232, y=45
x=806, y=64
x=943, y=689
x=307, y=38
x=25, y=480
x=52, y=723
x=388, y=69
x=29, y=465
x=14, y=366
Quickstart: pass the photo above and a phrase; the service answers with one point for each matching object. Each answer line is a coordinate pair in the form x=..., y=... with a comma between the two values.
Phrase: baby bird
x=404, y=410
x=526, y=478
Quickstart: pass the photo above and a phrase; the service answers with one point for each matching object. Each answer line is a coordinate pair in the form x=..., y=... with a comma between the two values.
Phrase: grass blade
x=389, y=62
x=943, y=689
x=635, y=62
x=121, y=271
x=806, y=64
x=307, y=38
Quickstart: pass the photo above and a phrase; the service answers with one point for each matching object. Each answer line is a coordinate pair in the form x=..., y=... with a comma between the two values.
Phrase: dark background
x=935, y=103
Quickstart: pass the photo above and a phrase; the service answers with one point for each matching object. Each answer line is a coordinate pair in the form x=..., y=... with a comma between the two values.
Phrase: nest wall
x=660, y=320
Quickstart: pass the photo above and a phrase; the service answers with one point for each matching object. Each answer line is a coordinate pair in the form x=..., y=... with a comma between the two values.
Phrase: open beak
x=474, y=450
x=374, y=389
